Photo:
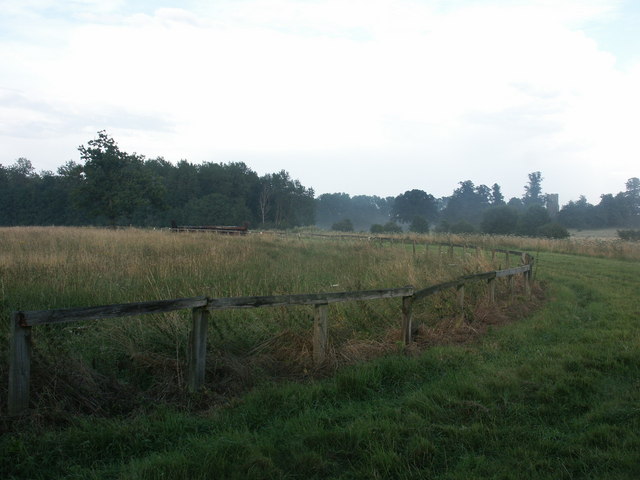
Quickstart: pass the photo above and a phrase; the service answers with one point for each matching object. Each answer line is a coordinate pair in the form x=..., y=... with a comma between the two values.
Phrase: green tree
x=419, y=225
x=114, y=183
x=580, y=214
x=462, y=227
x=467, y=203
x=414, y=203
x=533, y=190
x=288, y=202
x=499, y=220
x=496, y=195
x=613, y=211
x=531, y=220
x=331, y=208
x=632, y=194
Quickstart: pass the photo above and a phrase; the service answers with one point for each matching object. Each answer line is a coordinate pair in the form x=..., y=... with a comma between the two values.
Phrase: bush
x=553, y=230
x=343, y=226
x=389, y=227
x=629, y=235
x=419, y=225
x=462, y=227
x=443, y=227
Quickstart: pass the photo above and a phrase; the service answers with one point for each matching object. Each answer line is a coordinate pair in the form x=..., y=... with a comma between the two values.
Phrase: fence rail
x=201, y=307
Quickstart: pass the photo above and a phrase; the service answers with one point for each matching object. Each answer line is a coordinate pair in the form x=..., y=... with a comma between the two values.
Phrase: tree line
x=112, y=187
x=481, y=209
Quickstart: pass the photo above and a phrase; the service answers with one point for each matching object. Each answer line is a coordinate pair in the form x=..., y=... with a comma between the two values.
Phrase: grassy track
x=555, y=395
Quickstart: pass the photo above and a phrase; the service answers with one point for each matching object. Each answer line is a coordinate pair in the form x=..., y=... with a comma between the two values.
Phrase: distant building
x=553, y=204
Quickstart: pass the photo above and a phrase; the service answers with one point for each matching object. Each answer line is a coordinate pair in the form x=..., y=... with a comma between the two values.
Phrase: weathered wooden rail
x=23, y=321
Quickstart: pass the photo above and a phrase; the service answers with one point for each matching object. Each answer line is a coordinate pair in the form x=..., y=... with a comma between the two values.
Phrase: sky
x=366, y=97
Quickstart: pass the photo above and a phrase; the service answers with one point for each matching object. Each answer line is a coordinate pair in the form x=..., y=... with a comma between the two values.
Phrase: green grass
x=555, y=395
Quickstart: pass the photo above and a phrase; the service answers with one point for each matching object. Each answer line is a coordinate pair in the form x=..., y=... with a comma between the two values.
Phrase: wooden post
x=460, y=289
x=493, y=255
x=414, y=249
x=492, y=290
x=197, y=349
x=506, y=258
x=19, y=366
x=407, y=304
x=527, y=260
x=320, y=333
x=450, y=251
x=478, y=252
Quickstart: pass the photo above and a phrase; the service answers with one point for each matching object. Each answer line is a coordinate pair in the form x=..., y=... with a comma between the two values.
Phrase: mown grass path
x=552, y=396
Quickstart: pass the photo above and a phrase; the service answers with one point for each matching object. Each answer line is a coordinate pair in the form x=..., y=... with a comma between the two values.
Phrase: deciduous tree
x=114, y=183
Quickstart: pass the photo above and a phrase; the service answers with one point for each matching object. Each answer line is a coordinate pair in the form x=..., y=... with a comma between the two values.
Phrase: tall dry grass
x=593, y=247
x=46, y=268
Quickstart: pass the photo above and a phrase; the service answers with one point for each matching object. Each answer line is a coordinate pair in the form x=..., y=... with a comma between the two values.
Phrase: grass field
x=553, y=394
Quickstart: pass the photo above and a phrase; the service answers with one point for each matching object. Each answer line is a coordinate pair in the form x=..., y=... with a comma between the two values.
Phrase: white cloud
x=483, y=90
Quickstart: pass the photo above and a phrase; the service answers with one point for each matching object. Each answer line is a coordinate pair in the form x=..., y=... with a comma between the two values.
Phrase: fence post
x=320, y=333
x=197, y=349
x=460, y=289
x=407, y=309
x=19, y=366
x=527, y=260
x=492, y=290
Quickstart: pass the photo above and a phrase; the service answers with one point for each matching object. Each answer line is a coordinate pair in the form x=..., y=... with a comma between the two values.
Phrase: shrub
x=630, y=235
x=553, y=230
x=419, y=225
x=343, y=226
x=462, y=227
x=389, y=227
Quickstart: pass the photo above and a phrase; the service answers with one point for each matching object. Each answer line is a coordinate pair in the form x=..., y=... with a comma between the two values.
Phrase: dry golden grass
x=44, y=268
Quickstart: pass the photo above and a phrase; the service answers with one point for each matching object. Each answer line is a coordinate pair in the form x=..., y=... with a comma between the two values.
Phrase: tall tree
x=467, y=203
x=533, y=190
x=496, y=195
x=290, y=204
x=332, y=208
x=580, y=214
x=114, y=183
x=632, y=194
x=412, y=204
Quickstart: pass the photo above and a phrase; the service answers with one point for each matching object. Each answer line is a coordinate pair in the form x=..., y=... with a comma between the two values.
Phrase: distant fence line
x=201, y=307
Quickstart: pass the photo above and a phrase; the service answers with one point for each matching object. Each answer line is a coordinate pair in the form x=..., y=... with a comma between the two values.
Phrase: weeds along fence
x=22, y=322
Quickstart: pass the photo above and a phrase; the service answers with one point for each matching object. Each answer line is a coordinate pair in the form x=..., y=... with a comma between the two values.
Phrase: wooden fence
x=201, y=307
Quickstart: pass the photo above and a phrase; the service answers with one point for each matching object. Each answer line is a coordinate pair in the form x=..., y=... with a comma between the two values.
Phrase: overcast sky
x=368, y=97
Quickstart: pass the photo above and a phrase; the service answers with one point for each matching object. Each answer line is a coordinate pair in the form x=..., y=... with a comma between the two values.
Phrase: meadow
x=45, y=268
x=548, y=391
